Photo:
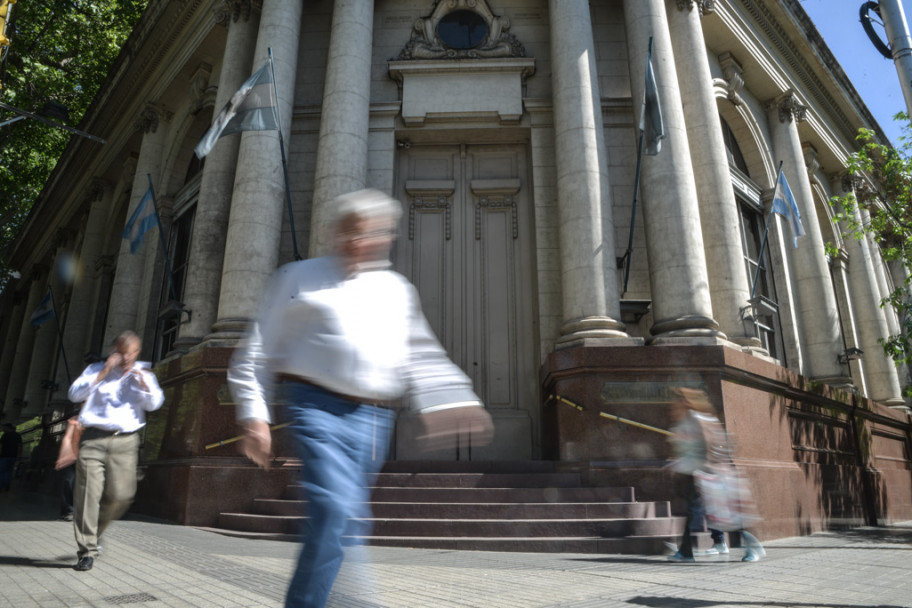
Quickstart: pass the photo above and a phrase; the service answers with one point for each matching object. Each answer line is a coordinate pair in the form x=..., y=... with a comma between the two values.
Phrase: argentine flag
x=142, y=220
x=44, y=312
x=784, y=204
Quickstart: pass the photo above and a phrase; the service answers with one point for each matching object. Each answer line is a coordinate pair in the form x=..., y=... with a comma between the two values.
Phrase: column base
x=227, y=332
x=577, y=331
x=690, y=326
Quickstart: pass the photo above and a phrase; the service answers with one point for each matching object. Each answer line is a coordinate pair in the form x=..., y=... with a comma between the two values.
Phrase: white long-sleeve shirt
x=362, y=335
x=117, y=402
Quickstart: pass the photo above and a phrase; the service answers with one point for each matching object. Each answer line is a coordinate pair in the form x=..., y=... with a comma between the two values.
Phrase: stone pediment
x=461, y=29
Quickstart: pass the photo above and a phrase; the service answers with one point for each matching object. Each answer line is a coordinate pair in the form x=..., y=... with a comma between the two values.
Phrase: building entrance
x=466, y=242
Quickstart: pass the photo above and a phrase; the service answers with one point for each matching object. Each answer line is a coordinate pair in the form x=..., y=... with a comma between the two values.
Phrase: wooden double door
x=466, y=242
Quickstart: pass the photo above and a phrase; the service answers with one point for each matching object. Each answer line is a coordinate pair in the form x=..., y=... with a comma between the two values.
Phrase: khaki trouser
x=105, y=484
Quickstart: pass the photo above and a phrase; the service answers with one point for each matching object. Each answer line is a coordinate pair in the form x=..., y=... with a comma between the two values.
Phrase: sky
x=873, y=76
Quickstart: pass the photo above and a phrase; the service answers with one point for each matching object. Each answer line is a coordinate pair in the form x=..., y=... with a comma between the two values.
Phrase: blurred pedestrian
x=117, y=393
x=339, y=339
x=701, y=445
x=10, y=450
x=65, y=466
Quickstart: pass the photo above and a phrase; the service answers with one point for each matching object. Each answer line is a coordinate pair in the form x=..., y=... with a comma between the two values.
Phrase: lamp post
x=899, y=43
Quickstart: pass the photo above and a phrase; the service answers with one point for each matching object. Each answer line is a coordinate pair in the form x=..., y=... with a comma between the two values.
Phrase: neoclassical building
x=509, y=131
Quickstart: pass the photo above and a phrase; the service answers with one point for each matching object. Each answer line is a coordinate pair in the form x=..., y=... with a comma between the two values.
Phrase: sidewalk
x=149, y=563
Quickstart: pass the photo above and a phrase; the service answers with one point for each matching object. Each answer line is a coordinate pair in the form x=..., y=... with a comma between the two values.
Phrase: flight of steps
x=486, y=506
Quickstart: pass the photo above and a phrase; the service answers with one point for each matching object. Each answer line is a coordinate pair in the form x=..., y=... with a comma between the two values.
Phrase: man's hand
x=140, y=378
x=447, y=428
x=111, y=362
x=257, y=442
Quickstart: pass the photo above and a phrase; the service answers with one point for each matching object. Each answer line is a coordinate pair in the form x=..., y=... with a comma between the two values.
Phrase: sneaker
x=719, y=549
x=677, y=557
x=751, y=556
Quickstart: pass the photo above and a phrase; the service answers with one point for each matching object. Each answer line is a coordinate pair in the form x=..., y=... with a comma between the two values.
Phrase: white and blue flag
x=44, y=312
x=144, y=218
x=251, y=108
x=784, y=204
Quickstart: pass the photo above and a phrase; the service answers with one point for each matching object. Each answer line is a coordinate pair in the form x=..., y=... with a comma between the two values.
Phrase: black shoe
x=84, y=563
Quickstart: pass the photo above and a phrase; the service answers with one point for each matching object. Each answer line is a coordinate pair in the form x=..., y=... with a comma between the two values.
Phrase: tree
x=882, y=178
x=58, y=58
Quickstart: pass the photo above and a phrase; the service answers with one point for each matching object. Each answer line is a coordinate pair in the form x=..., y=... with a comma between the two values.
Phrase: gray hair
x=367, y=203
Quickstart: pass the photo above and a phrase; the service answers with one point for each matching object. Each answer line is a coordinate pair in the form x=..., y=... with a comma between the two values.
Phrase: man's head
x=127, y=345
x=365, y=227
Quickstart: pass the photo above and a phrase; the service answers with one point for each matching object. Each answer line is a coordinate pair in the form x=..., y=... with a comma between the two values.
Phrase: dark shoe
x=67, y=517
x=84, y=563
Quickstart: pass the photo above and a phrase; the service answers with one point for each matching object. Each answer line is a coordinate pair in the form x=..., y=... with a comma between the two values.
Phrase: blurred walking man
x=117, y=393
x=338, y=339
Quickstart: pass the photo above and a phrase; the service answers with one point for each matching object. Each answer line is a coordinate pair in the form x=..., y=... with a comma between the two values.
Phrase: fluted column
x=591, y=307
x=681, y=301
x=123, y=309
x=258, y=200
x=881, y=378
x=847, y=311
x=342, y=146
x=15, y=389
x=80, y=310
x=816, y=312
x=210, y=225
x=729, y=283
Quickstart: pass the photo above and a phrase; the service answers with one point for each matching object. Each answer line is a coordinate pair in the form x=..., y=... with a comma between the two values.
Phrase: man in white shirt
x=336, y=342
x=117, y=393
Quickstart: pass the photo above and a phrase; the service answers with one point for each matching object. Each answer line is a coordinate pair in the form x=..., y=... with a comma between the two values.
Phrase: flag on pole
x=144, y=218
x=651, y=121
x=44, y=312
x=251, y=108
x=784, y=204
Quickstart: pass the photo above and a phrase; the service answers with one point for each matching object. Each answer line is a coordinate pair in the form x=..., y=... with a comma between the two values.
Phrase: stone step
x=478, y=480
x=472, y=466
x=494, y=494
x=456, y=528
x=496, y=510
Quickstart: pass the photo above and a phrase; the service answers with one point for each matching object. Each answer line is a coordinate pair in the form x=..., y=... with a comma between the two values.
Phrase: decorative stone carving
x=496, y=202
x=789, y=107
x=200, y=92
x=734, y=76
x=705, y=6
x=422, y=203
x=233, y=10
x=811, y=160
x=150, y=117
x=497, y=41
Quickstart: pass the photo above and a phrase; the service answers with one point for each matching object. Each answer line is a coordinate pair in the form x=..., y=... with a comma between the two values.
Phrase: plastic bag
x=727, y=498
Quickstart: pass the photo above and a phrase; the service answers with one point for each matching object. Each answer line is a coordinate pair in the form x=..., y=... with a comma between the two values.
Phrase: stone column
x=342, y=145
x=681, y=301
x=15, y=388
x=123, y=308
x=847, y=312
x=258, y=200
x=46, y=349
x=729, y=283
x=80, y=310
x=13, y=330
x=816, y=312
x=210, y=225
x=591, y=307
x=881, y=378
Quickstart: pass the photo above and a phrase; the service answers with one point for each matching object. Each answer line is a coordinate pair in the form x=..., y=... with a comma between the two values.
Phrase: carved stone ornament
x=789, y=107
x=200, y=92
x=233, y=10
x=461, y=29
x=734, y=75
x=149, y=118
x=705, y=6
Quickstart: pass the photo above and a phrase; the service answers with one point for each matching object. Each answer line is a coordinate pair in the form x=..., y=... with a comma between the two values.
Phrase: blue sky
x=874, y=76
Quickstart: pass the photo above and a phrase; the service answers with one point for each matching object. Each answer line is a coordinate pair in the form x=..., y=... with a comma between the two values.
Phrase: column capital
x=734, y=76
x=201, y=93
x=704, y=6
x=96, y=189
x=150, y=117
x=104, y=263
x=234, y=10
x=788, y=106
x=811, y=159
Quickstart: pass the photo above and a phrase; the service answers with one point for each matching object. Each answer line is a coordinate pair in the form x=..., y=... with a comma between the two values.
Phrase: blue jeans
x=342, y=446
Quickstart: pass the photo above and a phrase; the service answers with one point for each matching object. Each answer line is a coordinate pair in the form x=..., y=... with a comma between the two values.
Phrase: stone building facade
x=509, y=130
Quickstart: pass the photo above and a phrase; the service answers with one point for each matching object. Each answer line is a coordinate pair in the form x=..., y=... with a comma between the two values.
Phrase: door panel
x=465, y=242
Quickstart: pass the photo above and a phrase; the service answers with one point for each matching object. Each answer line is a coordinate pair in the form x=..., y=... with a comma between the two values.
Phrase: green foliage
x=882, y=178
x=60, y=52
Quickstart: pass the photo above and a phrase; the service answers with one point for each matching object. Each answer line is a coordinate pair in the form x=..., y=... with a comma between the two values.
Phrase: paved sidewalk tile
x=149, y=564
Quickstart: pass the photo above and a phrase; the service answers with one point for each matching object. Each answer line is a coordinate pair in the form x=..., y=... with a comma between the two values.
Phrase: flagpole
x=766, y=228
x=636, y=187
x=161, y=236
x=275, y=108
x=66, y=366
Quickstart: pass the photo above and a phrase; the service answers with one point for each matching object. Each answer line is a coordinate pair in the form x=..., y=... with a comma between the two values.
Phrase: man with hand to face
x=337, y=342
x=117, y=393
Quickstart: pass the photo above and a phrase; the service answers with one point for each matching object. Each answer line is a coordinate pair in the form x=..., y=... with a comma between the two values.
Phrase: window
x=765, y=313
x=462, y=30
x=735, y=157
x=170, y=314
